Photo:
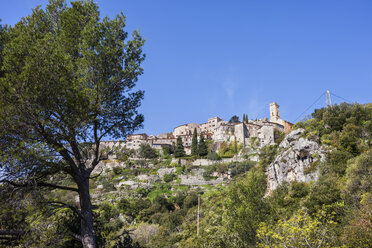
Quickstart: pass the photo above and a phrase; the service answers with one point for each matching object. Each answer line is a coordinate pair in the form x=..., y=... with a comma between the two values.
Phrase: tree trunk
x=87, y=229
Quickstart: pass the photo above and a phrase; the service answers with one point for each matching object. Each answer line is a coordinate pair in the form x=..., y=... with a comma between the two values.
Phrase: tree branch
x=62, y=204
x=93, y=177
x=42, y=184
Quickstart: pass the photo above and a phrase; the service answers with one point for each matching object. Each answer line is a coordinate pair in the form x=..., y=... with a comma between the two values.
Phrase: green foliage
x=341, y=126
x=202, y=146
x=168, y=178
x=234, y=119
x=126, y=241
x=117, y=170
x=67, y=78
x=358, y=231
x=301, y=230
x=238, y=168
x=267, y=155
x=228, y=149
x=180, y=150
x=213, y=156
x=167, y=150
x=194, y=143
x=146, y=151
x=278, y=136
x=325, y=191
x=123, y=153
x=246, y=207
x=334, y=211
x=358, y=178
x=191, y=200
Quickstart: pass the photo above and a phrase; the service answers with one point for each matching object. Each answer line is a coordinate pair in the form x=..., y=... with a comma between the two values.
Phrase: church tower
x=274, y=112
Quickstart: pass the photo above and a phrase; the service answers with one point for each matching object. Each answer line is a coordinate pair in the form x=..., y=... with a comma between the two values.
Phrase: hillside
x=312, y=188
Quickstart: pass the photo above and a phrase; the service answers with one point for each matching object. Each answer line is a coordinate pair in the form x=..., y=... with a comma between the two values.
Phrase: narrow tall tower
x=274, y=112
x=329, y=100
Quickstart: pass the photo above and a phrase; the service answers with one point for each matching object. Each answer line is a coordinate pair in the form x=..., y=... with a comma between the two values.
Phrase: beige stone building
x=186, y=129
x=275, y=118
x=218, y=130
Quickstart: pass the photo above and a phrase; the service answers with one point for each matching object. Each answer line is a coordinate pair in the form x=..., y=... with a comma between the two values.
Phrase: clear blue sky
x=220, y=58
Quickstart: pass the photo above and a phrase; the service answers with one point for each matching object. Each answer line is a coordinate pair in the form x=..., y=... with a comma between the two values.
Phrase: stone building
x=134, y=141
x=185, y=129
x=275, y=118
x=218, y=130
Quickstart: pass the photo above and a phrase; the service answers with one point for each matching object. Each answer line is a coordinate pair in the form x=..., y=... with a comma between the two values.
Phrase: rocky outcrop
x=297, y=160
x=195, y=177
x=164, y=171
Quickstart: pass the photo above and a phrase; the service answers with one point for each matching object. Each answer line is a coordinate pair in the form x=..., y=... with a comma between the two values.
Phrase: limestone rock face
x=297, y=161
x=164, y=171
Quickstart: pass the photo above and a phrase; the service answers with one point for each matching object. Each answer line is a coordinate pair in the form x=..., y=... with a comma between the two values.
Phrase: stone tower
x=274, y=112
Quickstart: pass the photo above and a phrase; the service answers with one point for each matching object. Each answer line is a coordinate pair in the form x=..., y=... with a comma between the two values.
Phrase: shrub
x=117, y=170
x=213, y=156
x=146, y=151
x=191, y=200
x=168, y=178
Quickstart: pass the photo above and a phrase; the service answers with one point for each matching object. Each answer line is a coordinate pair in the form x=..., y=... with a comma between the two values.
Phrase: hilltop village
x=216, y=129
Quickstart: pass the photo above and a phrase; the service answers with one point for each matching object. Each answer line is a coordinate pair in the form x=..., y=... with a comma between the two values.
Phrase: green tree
x=234, y=119
x=3, y=39
x=202, y=147
x=246, y=207
x=146, y=151
x=194, y=143
x=299, y=231
x=68, y=83
x=168, y=150
x=358, y=232
x=180, y=150
x=358, y=178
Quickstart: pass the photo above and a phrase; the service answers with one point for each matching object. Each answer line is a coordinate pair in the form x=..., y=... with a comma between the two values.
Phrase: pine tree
x=194, y=143
x=235, y=146
x=180, y=150
x=202, y=147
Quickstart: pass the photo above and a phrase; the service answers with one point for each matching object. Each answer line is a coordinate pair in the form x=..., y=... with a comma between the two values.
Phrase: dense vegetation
x=335, y=211
x=67, y=81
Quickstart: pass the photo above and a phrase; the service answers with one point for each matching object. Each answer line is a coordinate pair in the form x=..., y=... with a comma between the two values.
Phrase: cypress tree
x=194, y=143
x=202, y=147
x=235, y=146
x=180, y=150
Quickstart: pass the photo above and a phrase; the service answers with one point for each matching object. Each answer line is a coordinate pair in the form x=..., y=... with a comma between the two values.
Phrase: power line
x=310, y=106
x=341, y=98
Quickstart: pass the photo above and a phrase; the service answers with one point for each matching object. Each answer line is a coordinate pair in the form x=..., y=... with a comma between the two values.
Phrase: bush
x=168, y=178
x=191, y=200
x=146, y=151
x=213, y=156
x=117, y=170
x=239, y=168
x=278, y=136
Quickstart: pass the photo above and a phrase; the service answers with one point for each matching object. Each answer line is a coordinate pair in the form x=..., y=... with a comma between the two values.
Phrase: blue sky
x=220, y=58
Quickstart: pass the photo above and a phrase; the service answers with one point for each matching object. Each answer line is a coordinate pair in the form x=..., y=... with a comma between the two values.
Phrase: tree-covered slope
x=333, y=211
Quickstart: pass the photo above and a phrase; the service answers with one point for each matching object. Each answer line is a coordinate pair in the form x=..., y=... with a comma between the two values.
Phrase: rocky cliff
x=297, y=160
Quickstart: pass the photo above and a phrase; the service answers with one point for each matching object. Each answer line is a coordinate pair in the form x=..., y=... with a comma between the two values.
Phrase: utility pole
x=197, y=225
x=329, y=100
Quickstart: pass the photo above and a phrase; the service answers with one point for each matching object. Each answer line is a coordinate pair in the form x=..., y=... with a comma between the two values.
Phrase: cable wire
x=310, y=106
x=341, y=98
